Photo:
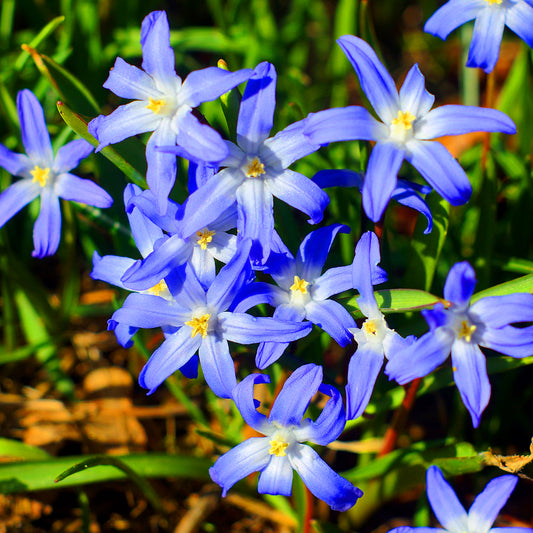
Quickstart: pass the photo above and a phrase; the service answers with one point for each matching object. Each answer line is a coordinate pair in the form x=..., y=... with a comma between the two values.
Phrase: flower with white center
x=281, y=450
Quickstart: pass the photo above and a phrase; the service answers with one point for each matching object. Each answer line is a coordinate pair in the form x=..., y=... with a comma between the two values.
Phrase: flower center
x=299, y=285
x=466, y=331
x=492, y=2
x=205, y=236
x=255, y=168
x=370, y=327
x=158, y=288
x=156, y=105
x=40, y=175
x=402, y=125
x=278, y=447
x=199, y=325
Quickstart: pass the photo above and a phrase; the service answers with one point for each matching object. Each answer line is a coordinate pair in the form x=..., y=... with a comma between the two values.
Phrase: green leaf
x=14, y=449
x=523, y=284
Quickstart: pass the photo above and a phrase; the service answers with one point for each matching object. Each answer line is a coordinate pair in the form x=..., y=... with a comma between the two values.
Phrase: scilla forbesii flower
x=452, y=515
x=491, y=17
x=281, y=450
x=461, y=328
x=46, y=176
x=406, y=131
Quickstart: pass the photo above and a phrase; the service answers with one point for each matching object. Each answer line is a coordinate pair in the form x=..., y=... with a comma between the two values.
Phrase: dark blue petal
x=451, y=15
x=338, y=178
x=333, y=281
x=486, y=39
x=405, y=194
x=110, y=268
x=519, y=18
x=243, y=395
x=460, y=284
x=332, y=318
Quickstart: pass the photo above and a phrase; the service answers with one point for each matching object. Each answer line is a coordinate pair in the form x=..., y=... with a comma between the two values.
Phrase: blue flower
x=491, y=16
x=461, y=328
x=256, y=170
x=405, y=131
x=452, y=515
x=375, y=340
x=46, y=176
x=281, y=450
x=198, y=321
x=163, y=104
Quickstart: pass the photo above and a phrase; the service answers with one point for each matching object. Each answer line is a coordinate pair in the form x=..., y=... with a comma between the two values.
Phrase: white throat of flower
x=201, y=322
x=299, y=293
x=401, y=127
x=373, y=331
x=280, y=439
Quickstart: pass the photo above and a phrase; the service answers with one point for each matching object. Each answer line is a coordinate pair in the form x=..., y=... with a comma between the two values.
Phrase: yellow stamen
x=402, y=123
x=205, y=236
x=158, y=288
x=466, y=331
x=299, y=285
x=199, y=325
x=40, y=175
x=491, y=2
x=255, y=169
x=370, y=327
x=156, y=105
x=278, y=447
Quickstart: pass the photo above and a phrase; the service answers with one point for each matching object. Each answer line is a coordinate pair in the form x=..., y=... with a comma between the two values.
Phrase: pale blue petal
x=248, y=457
x=332, y=318
x=443, y=500
x=257, y=293
x=413, y=95
x=110, y=268
x=515, y=342
x=440, y=169
x=47, y=228
x=451, y=15
x=203, y=264
x=276, y=478
x=486, y=39
x=175, y=351
x=460, y=284
x=243, y=396
x=470, y=375
x=499, y=311
x=363, y=371
x=199, y=174
x=124, y=334
x=16, y=196
x=170, y=221
x=70, y=155
x=376, y=82
x=16, y=164
x=333, y=281
x=322, y=481
x=191, y=293
x=519, y=18
x=217, y=365
x=71, y=187
x=488, y=503
x=223, y=246
x=256, y=113
x=35, y=137
x=380, y=178
x=299, y=192
x=131, y=82
x=292, y=401
x=459, y=119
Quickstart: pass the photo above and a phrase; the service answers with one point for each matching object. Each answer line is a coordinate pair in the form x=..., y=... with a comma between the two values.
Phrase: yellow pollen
x=402, y=123
x=278, y=447
x=466, y=331
x=156, y=105
x=299, y=285
x=370, y=327
x=40, y=175
x=205, y=236
x=255, y=169
x=199, y=325
x=491, y=2
x=158, y=288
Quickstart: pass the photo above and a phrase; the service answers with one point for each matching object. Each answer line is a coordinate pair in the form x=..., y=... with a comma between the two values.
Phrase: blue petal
x=276, y=478
x=248, y=457
x=199, y=174
x=299, y=192
x=332, y=318
x=440, y=169
x=338, y=178
x=363, y=371
x=375, y=81
x=16, y=196
x=256, y=114
x=190, y=368
x=452, y=15
x=292, y=401
x=515, y=342
x=519, y=18
x=380, y=178
x=175, y=351
x=158, y=55
x=47, y=228
x=131, y=82
x=217, y=365
x=460, y=284
x=405, y=194
x=243, y=396
x=499, y=311
x=314, y=250
x=447, y=508
x=488, y=503
x=257, y=293
x=110, y=268
x=322, y=481
x=459, y=119
x=35, y=137
x=343, y=124
x=124, y=334
x=333, y=281
x=413, y=95
x=209, y=83
x=203, y=264
x=16, y=164
x=486, y=39
x=71, y=187
x=70, y=155
x=470, y=375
